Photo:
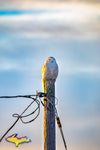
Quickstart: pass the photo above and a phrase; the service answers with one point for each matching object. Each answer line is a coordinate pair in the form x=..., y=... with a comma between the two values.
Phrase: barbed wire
x=58, y=123
x=21, y=116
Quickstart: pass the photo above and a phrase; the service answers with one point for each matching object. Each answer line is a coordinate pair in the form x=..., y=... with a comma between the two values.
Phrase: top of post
x=50, y=69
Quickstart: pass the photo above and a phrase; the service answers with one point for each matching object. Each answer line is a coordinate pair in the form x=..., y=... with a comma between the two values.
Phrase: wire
x=21, y=116
x=59, y=124
x=23, y=96
x=37, y=109
x=61, y=131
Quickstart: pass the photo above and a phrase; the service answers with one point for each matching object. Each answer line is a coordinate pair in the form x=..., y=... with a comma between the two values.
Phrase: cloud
x=75, y=22
x=88, y=65
x=8, y=64
x=81, y=60
x=40, y=4
x=83, y=70
x=80, y=21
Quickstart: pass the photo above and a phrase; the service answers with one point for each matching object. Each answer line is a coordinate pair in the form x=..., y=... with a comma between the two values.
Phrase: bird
x=50, y=69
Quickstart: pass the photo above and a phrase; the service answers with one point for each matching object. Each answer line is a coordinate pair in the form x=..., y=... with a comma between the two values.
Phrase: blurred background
x=69, y=30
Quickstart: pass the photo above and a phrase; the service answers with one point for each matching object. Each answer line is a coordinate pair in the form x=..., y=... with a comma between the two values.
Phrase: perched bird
x=50, y=69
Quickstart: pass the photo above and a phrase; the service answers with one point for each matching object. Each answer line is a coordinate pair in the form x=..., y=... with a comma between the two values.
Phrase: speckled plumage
x=50, y=69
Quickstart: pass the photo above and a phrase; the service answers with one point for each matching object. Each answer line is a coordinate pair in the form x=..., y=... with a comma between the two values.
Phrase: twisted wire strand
x=59, y=123
x=21, y=116
x=38, y=95
x=17, y=96
x=57, y=117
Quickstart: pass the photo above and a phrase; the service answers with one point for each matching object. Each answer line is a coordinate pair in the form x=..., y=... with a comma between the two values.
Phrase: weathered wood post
x=49, y=75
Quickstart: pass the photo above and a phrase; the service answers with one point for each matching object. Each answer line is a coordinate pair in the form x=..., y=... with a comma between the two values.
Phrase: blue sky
x=31, y=31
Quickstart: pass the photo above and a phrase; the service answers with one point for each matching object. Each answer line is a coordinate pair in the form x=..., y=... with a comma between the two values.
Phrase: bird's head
x=51, y=60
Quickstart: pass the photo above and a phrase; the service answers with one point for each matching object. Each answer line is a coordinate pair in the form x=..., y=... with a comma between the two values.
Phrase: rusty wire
x=37, y=109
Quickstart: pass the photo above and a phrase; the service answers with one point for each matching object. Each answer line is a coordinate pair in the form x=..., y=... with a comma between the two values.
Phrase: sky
x=69, y=30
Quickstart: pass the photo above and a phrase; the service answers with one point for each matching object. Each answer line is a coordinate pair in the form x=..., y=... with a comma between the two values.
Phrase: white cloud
x=41, y=4
x=7, y=64
x=80, y=70
x=75, y=21
x=83, y=69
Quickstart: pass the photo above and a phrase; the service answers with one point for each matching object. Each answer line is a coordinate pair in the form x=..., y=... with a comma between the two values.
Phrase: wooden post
x=49, y=74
